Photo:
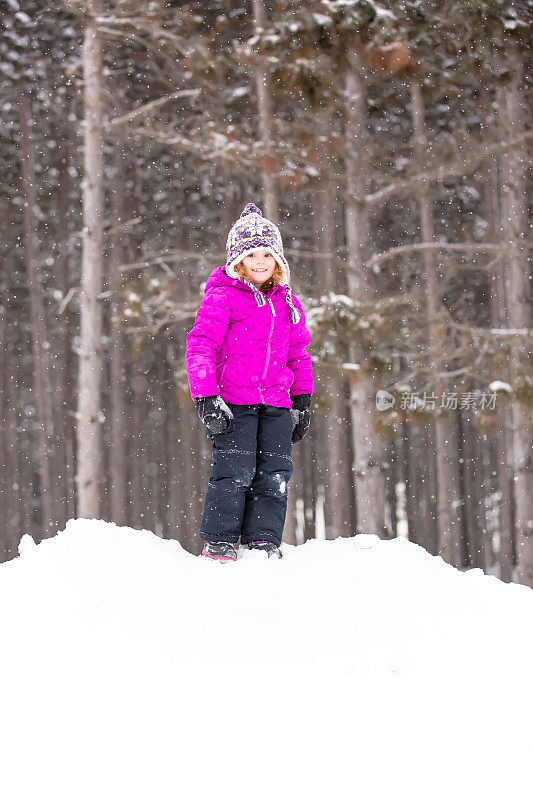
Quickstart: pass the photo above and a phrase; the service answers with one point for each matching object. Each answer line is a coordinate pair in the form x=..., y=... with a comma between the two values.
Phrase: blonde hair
x=274, y=279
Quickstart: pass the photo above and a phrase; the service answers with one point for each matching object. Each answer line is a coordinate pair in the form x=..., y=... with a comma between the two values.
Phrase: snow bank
x=349, y=668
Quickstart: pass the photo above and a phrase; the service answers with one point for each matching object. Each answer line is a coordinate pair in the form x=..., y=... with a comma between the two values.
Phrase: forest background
x=391, y=143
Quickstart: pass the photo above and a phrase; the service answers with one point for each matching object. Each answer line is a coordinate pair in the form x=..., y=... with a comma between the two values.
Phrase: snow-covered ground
x=353, y=668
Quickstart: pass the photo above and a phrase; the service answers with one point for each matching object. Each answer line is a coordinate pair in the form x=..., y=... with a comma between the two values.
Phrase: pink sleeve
x=298, y=359
x=204, y=340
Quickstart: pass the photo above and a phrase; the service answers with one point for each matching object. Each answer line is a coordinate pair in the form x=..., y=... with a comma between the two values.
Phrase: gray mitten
x=301, y=406
x=214, y=413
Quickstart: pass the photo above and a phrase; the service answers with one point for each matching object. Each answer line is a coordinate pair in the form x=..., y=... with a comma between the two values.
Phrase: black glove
x=214, y=413
x=301, y=406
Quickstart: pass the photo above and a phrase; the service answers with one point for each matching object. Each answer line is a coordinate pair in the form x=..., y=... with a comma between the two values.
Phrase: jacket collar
x=219, y=277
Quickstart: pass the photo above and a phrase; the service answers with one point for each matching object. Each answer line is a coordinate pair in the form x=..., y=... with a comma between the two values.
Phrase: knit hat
x=253, y=231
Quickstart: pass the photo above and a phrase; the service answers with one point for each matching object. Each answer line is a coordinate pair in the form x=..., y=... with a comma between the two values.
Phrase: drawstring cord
x=294, y=314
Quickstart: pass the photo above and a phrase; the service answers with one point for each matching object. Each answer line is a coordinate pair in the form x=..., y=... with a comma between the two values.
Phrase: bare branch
x=124, y=226
x=174, y=139
x=66, y=300
x=373, y=262
x=443, y=172
x=497, y=332
x=147, y=107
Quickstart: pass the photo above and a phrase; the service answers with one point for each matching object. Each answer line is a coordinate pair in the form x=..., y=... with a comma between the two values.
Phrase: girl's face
x=259, y=266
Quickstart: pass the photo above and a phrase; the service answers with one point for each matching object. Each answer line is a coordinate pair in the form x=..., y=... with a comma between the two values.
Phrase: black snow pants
x=252, y=463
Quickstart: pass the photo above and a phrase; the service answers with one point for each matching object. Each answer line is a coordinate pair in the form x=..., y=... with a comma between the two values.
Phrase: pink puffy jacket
x=245, y=352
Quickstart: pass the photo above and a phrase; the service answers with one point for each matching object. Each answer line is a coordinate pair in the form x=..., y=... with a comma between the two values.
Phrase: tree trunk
x=158, y=465
x=5, y=477
x=291, y=529
x=420, y=486
x=340, y=497
x=448, y=500
x=137, y=440
x=194, y=469
x=117, y=456
x=176, y=469
x=264, y=108
x=171, y=435
x=503, y=432
x=416, y=441
x=66, y=434
x=367, y=447
x=18, y=512
x=470, y=466
x=41, y=373
x=89, y=413
x=391, y=473
x=513, y=226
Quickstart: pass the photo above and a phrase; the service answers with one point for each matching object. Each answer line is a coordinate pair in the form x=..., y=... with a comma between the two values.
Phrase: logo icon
x=384, y=400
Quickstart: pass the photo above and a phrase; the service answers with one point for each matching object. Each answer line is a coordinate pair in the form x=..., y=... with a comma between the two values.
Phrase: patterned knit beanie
x=253, y=231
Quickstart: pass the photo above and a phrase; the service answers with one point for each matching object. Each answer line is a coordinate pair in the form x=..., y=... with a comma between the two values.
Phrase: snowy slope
x=349, y=669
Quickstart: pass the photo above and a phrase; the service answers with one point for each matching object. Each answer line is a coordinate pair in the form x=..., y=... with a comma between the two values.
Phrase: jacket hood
x=219, y=277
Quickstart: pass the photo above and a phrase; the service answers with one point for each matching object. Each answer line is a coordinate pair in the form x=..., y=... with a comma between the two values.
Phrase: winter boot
x=220, y=551
x=267, y=547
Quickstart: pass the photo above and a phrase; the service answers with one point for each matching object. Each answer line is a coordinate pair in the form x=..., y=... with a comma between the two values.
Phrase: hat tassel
x=294, y=314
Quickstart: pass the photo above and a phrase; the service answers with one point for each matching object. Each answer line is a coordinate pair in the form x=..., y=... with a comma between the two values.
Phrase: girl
x=251, y=379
